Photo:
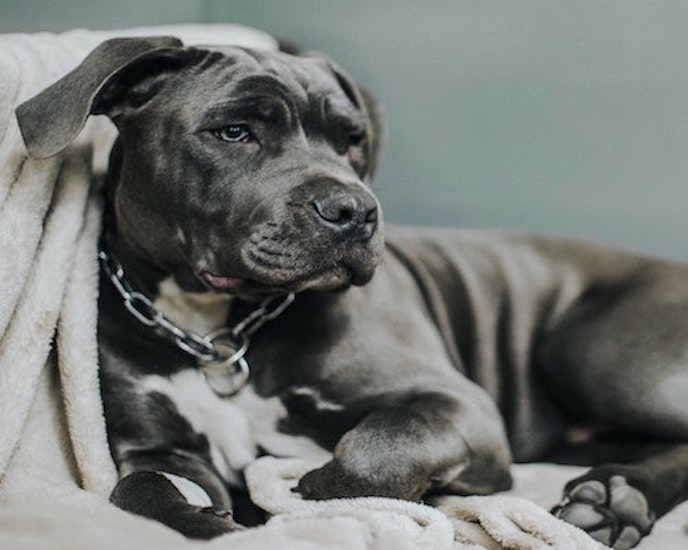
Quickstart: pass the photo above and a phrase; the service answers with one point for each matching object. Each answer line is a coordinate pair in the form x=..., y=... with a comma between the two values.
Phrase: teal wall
x=564, y=117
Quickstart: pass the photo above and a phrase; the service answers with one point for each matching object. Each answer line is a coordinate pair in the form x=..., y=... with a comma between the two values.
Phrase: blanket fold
x=453, y=522
x=55, y=468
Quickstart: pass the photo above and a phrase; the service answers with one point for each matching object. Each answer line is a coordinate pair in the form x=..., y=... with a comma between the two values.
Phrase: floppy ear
x=50, y=121
x=364, y=100
x=377, y=121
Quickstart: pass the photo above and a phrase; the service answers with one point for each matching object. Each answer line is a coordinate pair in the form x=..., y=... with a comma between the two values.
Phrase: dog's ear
x=365, y=101
x=50, y=121
x=377, y=117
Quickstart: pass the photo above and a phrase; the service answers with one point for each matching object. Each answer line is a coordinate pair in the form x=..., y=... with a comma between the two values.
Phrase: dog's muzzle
x=325, y=236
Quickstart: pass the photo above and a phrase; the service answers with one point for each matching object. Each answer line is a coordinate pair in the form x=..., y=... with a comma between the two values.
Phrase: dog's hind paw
x=611, y=511
x=200, y=522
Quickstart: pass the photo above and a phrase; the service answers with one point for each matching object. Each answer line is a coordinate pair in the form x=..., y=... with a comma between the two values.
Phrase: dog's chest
x=238, y=428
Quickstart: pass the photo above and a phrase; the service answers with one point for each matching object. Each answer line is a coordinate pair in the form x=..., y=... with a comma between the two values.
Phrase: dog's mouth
x=270, y=263
x=246, y=287
x=242, y=287
x=221, y=283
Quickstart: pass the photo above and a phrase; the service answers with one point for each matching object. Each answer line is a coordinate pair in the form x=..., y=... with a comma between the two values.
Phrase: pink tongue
x=222, y=282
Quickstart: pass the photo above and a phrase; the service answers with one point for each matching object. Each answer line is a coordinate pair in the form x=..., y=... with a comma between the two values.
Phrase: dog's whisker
x=261, y=261
x=276, y=253
x=257, y=239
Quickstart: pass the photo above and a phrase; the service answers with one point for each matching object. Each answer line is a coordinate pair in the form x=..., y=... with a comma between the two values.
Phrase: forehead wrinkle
x=233, y=55
x=327, y=97
x=332, y=111
x=284, y=71
x=269, y=91
x=304, y=86
x=324, y=101
x=263, y=83
x=259, y=107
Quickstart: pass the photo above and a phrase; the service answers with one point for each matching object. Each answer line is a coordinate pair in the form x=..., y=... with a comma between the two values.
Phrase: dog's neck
x=200, y=312
x=197, y=323
x=144, y=275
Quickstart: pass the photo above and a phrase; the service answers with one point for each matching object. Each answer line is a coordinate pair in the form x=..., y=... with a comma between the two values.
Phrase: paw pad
x=611, y=511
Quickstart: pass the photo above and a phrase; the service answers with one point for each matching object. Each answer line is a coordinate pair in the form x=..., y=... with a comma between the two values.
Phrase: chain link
x=203, y=348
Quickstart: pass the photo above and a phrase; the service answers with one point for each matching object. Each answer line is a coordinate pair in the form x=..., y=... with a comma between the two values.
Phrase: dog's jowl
x=248, y=305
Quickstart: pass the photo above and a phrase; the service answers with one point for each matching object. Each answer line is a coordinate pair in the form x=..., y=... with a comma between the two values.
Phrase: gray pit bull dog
x=238, y=207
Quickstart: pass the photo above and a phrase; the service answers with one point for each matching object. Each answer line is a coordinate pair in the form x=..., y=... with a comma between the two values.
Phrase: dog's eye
x=356, y=138
x=234, y=133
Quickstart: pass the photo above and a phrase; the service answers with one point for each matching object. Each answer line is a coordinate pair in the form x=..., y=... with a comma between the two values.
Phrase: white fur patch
x=192, y=492
x=231, y=443
x=237, y=427
x=201, y=312
x=319, y=402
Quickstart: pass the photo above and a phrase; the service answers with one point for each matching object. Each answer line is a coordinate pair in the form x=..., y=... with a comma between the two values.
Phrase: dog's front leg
x=428, y=441
x=176, y=488
x=165, y=464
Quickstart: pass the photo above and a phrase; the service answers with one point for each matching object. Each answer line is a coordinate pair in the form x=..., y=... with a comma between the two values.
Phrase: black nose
x=353, y=215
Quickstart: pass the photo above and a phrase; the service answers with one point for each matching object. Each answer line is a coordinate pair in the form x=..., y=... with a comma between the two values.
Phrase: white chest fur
x=239, y=427
x=201, y=312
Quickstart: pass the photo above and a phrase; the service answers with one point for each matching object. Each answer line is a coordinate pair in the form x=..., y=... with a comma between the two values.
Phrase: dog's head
x=239, y=171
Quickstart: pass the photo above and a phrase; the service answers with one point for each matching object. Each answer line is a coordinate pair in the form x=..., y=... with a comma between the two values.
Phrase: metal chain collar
x=220, y=355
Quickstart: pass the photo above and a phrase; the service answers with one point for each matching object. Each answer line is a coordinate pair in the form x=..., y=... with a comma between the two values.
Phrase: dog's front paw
x=201, y=522
x=334, y=480
x=326, y=482
x=610, y=510
x=153, y=495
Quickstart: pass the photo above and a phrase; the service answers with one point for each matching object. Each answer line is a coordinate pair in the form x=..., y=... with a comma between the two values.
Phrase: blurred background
x=559, y=117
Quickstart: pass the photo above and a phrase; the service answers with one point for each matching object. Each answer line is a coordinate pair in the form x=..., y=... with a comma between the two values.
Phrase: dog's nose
x=347, y=215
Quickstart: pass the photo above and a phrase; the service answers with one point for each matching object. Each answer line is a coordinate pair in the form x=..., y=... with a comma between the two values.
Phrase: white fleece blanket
x=55, y=468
